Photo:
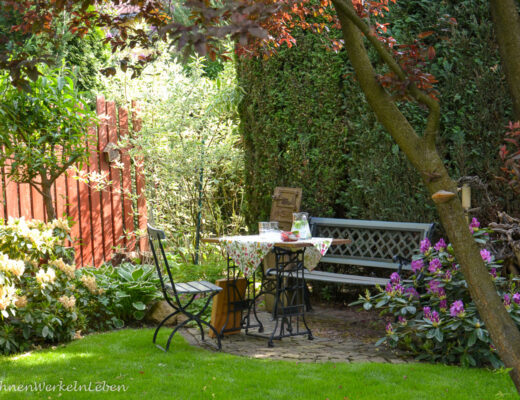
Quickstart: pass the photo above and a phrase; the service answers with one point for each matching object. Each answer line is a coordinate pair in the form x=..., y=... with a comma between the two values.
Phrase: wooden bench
x=375, y=244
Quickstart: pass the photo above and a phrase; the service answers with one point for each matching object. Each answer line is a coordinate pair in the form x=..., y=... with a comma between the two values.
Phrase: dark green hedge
x=306, y=123
x=294, y=127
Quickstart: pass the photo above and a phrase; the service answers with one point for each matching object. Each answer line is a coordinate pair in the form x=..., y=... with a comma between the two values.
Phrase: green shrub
x=123, y=294
x=44, y=299
x=436, y=318
x=37, y=285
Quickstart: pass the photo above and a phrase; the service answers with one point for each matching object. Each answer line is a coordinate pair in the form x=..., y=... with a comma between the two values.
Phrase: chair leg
x=191, y=317
x=162, y=323
x=201, y=330
x=175, y=331
x=219, y=345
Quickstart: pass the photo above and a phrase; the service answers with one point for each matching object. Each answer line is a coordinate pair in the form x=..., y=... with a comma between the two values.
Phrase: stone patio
x=340, y=335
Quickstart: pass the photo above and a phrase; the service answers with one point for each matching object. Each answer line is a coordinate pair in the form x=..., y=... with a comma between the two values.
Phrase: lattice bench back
x=374, y=243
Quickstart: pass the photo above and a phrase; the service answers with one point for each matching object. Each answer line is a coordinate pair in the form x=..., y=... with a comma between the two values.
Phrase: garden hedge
x=306, y=123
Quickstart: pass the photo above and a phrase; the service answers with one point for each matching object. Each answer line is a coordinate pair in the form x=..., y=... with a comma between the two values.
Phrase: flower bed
x=435, y=317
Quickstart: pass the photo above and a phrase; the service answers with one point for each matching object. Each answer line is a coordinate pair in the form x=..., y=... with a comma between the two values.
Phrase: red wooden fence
x=106, y=220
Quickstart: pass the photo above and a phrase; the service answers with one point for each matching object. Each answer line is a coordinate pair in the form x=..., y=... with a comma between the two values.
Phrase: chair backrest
x=155, y=237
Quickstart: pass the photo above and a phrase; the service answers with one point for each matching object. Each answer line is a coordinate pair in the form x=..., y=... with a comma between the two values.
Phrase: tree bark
x=423, y=155
x=506, y=21
x=47, y=198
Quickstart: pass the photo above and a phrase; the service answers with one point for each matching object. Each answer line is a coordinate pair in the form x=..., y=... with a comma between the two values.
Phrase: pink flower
x=433, y=317
x=389, y=329
x=486, y=255
x=516, y=298
x=447, y=276
x=427, y=312
x=474, y=225
x=411, y=292
x=402, y=320
x=425, y=245
x=435, y=288
x=493, y=273
x=393, y=289
x=457, y=309
x=435, y=265
x=440, y=245
x=417, y=265
x=443, y=305
x=395, y=278
x=507, y=300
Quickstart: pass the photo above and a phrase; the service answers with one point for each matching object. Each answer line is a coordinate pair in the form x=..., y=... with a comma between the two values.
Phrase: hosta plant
x=435, y=318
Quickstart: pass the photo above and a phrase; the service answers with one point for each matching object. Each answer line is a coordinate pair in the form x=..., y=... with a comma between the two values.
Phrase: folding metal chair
x=179, y=295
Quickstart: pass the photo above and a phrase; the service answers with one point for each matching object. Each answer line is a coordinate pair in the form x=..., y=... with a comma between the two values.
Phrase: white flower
x=15, y=267
x=45, y=278
x=7, y=296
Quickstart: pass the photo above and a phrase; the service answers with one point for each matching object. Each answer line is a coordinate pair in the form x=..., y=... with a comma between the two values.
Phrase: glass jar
x=300, y=225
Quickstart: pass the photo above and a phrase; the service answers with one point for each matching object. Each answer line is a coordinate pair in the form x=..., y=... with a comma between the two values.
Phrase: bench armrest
x=402, y=262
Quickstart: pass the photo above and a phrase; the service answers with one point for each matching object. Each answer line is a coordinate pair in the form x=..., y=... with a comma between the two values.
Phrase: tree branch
x=380, y=101
x=65, y=166
x=432, y=127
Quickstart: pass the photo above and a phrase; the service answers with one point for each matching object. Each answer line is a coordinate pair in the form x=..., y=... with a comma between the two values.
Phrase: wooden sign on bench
x=286, y=201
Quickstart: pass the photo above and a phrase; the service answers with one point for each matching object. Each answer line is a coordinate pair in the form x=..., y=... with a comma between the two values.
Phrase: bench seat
x=332, y=277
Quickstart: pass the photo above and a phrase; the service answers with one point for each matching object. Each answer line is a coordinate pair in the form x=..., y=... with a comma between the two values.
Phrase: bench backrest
x=374, y=243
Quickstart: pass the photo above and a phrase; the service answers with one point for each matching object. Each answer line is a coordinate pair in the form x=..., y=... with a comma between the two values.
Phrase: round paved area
x=340, y=335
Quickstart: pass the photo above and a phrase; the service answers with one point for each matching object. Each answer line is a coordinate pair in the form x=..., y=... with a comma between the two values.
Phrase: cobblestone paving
x=333, y=341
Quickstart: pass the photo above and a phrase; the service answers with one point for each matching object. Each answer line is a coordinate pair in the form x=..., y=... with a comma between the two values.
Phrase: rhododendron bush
x=45, y=299
x=435, y=318
x=38, y=285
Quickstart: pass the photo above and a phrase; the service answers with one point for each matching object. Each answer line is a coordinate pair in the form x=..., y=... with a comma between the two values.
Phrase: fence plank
x=128, y=219
x=97, y=226
x=2, y=192
x=38, y=206
x=140, y=183
x=88, y=200
x=74, y=210
x=115, y=177
x=11, y=198
x=24, y=193
x=106, y=197
x=61, y=196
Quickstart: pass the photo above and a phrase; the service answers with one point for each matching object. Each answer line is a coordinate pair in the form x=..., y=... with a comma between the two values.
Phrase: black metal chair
x=174, y=292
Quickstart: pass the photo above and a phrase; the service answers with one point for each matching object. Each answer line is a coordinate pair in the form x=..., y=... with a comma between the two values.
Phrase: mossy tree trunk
x=506, y=21
x=421, y=151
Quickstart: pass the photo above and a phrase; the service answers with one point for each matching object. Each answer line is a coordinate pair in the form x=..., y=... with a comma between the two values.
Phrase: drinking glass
x=274, y=230
x=264, y=228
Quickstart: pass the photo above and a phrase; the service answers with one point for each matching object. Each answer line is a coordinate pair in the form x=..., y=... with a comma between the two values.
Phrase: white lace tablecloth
x=248, y=251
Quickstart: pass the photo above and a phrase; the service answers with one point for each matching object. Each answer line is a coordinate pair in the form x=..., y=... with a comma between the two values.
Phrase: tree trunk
x=422, y=153
x=47, y=198
x=506, y=21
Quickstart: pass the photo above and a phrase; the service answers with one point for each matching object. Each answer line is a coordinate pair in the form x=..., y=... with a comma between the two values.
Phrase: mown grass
x=127, y=357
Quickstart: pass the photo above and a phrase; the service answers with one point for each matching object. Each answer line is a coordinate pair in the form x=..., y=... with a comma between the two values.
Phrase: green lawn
x=127, y=357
